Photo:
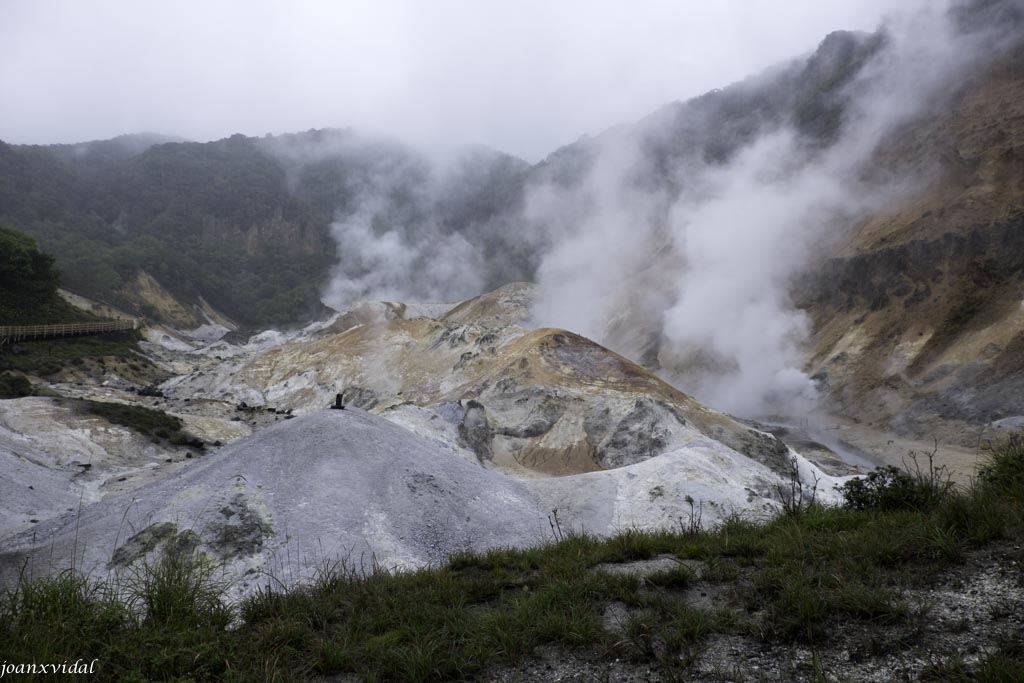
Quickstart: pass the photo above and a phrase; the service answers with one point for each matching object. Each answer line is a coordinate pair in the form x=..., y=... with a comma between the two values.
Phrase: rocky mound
x=330, y=485
x=545, y=401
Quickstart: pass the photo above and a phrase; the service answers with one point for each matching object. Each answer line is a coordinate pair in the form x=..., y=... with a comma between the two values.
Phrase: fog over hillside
x=523, y=77
x=715, y=261
x=677, y=240
x=578, y=340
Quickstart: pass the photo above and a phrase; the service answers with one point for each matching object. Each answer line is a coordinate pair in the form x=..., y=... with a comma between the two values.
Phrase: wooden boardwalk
x=16, y=333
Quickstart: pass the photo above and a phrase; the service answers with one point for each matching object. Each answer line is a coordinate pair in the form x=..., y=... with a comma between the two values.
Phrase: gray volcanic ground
x=334, y=484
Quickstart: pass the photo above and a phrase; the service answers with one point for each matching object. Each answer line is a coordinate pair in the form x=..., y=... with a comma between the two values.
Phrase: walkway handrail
x=16, y=333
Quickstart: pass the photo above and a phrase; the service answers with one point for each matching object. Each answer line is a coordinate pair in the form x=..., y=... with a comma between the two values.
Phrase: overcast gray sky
x=523, y=76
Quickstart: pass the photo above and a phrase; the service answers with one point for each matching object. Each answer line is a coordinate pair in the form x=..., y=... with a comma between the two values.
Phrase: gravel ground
x=970, y=609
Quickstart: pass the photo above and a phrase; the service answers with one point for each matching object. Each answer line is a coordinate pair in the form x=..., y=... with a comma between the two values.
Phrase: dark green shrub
x=49, y=366
x=14, y=386
x=886, y=488
x=143, y=420
x=891, y=488
x=179, y=439
x=1004, y=471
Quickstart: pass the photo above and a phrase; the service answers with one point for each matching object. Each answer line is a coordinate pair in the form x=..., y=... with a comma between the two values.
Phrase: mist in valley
x=678, y=334
x=676, y=239
x=694, y=272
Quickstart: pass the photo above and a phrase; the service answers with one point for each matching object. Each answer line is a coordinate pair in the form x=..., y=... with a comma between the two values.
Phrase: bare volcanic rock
x=528, y=402
x=332, y=485
x=54, y=458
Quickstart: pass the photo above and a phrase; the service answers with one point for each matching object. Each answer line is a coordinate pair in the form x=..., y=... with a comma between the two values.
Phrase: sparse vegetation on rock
x=832, y=593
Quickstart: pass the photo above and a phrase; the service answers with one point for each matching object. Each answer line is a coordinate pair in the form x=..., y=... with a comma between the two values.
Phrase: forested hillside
x=244, y=223
x=213, y=220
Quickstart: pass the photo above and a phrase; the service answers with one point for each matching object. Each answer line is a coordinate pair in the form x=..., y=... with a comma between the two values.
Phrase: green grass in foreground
x=795, y=579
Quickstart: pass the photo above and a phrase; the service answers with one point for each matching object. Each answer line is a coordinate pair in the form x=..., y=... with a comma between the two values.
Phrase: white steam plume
x=395, y=263
x=714, y=272
x=426, y=232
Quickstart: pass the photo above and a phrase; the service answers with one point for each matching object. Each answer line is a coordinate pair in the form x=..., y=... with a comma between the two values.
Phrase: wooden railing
x=16, y=333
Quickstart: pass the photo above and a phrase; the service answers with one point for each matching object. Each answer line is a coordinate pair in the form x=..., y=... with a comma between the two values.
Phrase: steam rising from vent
x=394, y=263
x=701, y=285
x=677, y=241
x=426, y=232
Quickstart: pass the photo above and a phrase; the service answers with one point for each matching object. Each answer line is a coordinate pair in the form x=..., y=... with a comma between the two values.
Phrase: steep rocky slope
x=918, y=322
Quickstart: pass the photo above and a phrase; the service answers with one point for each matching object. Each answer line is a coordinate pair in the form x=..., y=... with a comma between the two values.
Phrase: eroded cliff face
x=919, y=316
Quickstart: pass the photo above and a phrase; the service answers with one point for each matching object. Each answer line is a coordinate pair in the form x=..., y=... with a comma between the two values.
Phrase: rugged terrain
x=914, y=313
x=918, y=319
x=478, y=407
x=912, y=295
x=478, y=429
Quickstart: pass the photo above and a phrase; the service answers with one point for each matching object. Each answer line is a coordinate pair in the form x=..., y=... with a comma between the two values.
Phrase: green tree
x=28, y=277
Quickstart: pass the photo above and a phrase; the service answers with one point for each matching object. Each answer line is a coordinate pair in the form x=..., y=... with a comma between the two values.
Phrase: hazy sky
x=525, y=76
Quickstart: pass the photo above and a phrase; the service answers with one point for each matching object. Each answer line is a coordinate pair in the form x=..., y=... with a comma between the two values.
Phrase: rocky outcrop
x=342, y=484
x=546, y=401
x=905, y=274
x=54, y=459
x=917, y=316
x=351, y=487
